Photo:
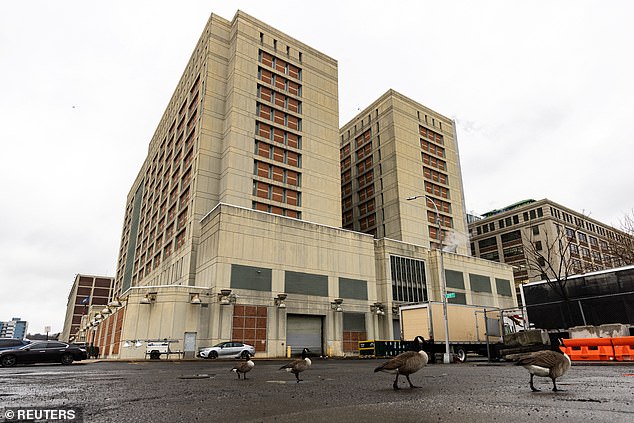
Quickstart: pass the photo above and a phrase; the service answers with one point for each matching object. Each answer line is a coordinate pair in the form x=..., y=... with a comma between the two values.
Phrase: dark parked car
x=12, y=343
x=42, y=352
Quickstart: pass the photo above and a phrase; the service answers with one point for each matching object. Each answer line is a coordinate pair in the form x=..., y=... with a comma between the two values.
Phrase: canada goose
x=406, y=363
x=299, y=365
x=545, y=363
x=243, y=367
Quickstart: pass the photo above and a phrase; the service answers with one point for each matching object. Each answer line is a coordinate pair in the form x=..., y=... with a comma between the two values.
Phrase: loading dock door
x=304, y=331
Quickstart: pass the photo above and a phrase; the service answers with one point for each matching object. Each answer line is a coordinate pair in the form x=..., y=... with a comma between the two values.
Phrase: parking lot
x=332, y=390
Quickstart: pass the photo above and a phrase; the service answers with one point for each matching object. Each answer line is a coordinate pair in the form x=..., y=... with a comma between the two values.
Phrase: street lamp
x=447, y=356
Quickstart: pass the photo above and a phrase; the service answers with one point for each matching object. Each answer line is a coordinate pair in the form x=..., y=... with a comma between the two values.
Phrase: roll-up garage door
x=304, y=331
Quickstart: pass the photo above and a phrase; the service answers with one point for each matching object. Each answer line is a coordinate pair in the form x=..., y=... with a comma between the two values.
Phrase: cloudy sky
x=542, y=93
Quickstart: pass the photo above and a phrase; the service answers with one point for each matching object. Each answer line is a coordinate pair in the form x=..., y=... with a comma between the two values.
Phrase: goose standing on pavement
x=406, y=363
x=243, y=367
x=299, y=365
x=547, y=363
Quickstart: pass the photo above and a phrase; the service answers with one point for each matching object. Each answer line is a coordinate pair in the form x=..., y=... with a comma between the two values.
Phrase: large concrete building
x=519, y=233
x=394, y=149
x=87, y=290
x=233, y=225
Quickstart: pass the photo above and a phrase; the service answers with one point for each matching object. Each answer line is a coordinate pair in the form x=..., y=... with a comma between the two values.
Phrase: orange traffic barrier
x=589, y=349
x=623, y=348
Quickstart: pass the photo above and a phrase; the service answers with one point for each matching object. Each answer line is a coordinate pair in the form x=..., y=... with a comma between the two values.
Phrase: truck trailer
x=472, y=329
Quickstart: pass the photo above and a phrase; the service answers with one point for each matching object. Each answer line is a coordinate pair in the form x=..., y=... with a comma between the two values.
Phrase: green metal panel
x=305, y=283
x=480, y=283
x=353, y=288
x=454, y=279
x=503, y=287
x=248, y=277
x=354, y=322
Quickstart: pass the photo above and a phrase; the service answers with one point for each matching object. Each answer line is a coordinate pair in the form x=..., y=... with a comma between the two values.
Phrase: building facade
x=14, y=328
x=87, y=290
x=232, y=228
x=282, y=284
x=253, y=122
x=518, y=234
x=394, y=149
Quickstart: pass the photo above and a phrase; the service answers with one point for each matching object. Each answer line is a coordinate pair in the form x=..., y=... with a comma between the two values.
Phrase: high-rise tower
x=253, y=122
x=394, y=149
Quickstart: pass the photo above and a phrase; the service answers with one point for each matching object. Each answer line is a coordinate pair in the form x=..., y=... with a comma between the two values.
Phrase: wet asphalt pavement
x=332, y=391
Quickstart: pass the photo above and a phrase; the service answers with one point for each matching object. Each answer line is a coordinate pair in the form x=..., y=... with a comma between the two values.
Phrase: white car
x=227, y=350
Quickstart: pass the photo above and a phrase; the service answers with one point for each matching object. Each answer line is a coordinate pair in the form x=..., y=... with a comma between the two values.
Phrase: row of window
x=432, y=148
x=279, y=99
x=366, y=207
x=276, y=173
x=364, y=165
x=434, y=162
x=436, y=190
x=582, y=223
x=445, y=221
x=279, y=117
x=280, y=65
x=279, y=82
x=435, y=176
x=431, y=135
x=363, y=138
x=585, y=239
x=278, y=135
x=278, y=154
x=509, y=221
x=174, y=155
x=276, y=193
x=269, y=208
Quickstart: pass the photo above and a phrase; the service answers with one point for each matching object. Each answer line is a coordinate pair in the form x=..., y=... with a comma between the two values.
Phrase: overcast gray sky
x=542, y=93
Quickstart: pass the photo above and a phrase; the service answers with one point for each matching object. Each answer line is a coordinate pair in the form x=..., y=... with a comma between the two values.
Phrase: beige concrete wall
x=233, y=235
x=493, y=270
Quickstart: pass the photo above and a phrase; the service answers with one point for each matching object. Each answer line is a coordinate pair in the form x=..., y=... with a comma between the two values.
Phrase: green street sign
x=450, y=295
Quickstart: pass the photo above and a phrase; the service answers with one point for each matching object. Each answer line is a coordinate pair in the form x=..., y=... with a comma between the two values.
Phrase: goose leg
x=411, y=385
x=533, y=386
x=238, y=373
x=297, y=377
x=245, y=376
x=395, y=384
x=555, y=389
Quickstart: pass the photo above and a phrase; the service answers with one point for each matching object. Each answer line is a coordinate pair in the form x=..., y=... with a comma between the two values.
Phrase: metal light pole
x=447, y=355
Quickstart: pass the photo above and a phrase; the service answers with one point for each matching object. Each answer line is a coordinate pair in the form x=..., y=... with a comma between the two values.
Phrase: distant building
x=14, y=328
x=87, y=290
x=510, y=234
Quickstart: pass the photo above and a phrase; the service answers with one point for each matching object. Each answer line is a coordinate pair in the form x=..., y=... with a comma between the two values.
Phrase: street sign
x=450, y=295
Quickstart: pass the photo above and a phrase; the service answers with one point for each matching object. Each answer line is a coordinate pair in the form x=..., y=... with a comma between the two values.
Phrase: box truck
x=486, y=331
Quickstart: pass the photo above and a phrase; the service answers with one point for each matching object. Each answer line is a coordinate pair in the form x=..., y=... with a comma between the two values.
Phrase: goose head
x=420, y=343
x=305, y=352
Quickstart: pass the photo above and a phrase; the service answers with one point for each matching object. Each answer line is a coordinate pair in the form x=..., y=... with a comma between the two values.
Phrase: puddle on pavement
x=283, y=382
x=197, y=376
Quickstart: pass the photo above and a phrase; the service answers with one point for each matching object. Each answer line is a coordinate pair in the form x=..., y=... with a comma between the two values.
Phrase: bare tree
x=622, y=248
x=554, y=257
